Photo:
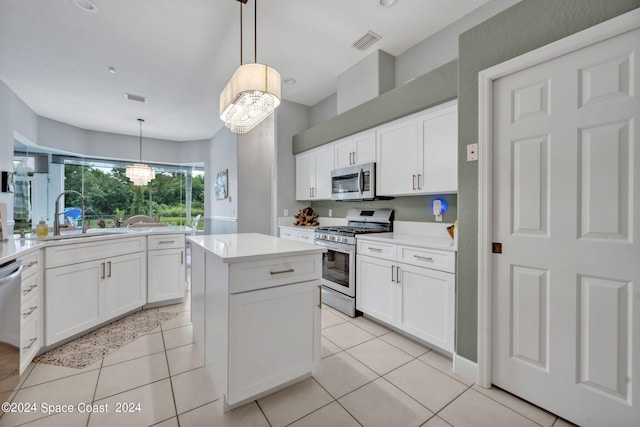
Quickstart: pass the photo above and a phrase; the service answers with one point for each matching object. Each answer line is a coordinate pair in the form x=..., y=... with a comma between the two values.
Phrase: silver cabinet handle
x=32, y=287
x=320, y=297
x=398, y=274
x=103, y=270
x=109, y=269
x=424, y=258
x=413, y=182
x=31, y=342
x=374, y=249
x=392, y=268
x=419, y=186
x=289, y=270
x=166, y=242
x=181, y=257
x=28, y=313
x=31, y=264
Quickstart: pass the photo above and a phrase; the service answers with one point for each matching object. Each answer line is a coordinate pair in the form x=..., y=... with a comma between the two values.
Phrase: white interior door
x=566, y=205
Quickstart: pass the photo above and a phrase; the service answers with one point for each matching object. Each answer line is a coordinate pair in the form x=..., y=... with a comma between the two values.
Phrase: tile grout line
x=95, y=389
x=173, y=394
x=513, y=409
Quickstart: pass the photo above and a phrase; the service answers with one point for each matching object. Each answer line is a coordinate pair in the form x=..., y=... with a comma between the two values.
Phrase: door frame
x=621, y=24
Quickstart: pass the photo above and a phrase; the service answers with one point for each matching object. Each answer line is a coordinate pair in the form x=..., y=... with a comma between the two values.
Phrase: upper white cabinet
x=418, y=154
x=313, y=173
x=355, y=149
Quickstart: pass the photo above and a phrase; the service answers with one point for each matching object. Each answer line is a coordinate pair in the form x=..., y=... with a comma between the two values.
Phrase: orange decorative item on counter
x=306, y=218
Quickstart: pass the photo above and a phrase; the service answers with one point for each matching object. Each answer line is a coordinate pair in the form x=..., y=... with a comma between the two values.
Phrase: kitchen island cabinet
x=166, y=267
x=255, y=312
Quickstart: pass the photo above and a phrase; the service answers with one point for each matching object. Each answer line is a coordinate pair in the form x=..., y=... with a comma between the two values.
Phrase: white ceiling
x=180, y=54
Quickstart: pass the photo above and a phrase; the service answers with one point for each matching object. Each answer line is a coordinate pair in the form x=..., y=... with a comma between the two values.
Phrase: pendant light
x=253, y=92
x=140, y=173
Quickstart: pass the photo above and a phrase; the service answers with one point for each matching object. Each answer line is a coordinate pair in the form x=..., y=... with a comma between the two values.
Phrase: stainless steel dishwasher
x=9, y=327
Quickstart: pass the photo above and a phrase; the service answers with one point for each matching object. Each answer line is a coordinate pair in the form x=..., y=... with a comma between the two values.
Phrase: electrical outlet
x=286, y=212
x=330, y=212
x=472, y=152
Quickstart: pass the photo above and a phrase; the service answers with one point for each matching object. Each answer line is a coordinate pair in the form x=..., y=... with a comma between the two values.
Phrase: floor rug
x=89, y=348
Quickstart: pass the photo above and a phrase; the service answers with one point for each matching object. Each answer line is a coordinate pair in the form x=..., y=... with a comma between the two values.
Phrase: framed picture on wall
x=220, y=185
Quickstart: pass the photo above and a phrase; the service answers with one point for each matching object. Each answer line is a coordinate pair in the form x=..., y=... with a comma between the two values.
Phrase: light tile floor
x=370, y=376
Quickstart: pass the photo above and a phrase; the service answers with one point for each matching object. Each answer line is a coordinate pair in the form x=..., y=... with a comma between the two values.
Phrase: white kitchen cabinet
x=31, y=308
x=410, y=288
x=285, y=343
x=301, y=234
x=418, y=154
x=355, y=149
x=166, y=267
x=123, y=283
x=81, y=295
x=256, y=305
x=313, y=173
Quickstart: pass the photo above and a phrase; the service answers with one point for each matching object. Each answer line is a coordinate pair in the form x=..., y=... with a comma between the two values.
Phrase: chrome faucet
x=56, y=218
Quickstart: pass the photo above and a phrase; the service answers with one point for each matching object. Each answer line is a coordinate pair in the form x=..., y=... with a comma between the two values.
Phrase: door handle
x=181, y=257
x=361, y=181
x=398, y=275
x=103, y=275
x=320, y=297
x=392, y=268
x=413, y=182
x=419, y=186
x=109, y=269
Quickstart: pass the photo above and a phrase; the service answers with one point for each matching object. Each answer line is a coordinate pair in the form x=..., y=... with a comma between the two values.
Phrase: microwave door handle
x=360, y=181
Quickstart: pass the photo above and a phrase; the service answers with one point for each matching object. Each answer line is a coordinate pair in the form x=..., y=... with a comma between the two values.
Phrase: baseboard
x=465, y=367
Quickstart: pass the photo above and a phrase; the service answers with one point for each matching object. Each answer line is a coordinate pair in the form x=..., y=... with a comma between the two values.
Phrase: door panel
x=566, y=197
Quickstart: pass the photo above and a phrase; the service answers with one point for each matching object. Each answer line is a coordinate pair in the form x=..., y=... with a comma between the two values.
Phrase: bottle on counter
x=42, y=229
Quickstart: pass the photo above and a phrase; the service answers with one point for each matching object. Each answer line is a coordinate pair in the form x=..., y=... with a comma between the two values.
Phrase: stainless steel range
x=338, y=263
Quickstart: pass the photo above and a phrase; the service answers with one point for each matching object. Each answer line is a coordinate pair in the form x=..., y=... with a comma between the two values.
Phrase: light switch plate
x=472, y=152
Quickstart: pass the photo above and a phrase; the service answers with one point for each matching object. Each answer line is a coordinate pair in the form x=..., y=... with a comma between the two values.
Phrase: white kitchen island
x=256, y=304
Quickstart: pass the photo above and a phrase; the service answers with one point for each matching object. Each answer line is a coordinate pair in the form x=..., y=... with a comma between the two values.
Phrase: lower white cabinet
x=166, y=267
x=31, y=308
x=302, y=234
x=285, y=343
x=81, y=295
x=414, y=298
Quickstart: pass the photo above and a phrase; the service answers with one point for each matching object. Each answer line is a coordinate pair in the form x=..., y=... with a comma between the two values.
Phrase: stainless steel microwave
x=356, y=182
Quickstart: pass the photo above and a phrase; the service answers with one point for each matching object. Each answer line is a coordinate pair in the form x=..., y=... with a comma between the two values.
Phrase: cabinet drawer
x=30, y=264
x=305, y=236
x=248, y=276
x=288, y=234
x=67, y=254
x=31, y=308
x=165, y=241
x=30, y=286
x=30, y=338
x=430, y=258
x=375, y=249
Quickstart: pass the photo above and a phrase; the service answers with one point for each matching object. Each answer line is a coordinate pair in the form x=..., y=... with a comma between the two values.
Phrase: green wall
x=408, y=208
x=519, y=29
x=433, y=88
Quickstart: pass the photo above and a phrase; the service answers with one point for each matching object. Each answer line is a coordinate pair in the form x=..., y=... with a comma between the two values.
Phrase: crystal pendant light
x=140, y=173
x=252, y=93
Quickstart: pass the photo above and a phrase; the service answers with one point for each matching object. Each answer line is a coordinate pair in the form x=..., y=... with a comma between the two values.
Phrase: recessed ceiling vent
x=132, y=97
x=366, y=41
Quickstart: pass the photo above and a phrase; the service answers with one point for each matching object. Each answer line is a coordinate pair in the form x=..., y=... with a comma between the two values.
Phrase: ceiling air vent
x=365, y=42
x=132, y=97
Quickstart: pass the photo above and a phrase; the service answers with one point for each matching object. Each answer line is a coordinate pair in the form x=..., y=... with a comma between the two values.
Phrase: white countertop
x=16, y=246
x=424, y=241
x=252, y=246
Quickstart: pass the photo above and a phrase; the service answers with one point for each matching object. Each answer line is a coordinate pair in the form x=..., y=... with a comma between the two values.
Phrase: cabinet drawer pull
x=166, y=242
x=109, y=269
x=32, y=287
x=31, y=342
x=423, y=258
x=289, y=270
x=28, y=313
x=374, y=249
x=31, y=264
x=320, y=296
